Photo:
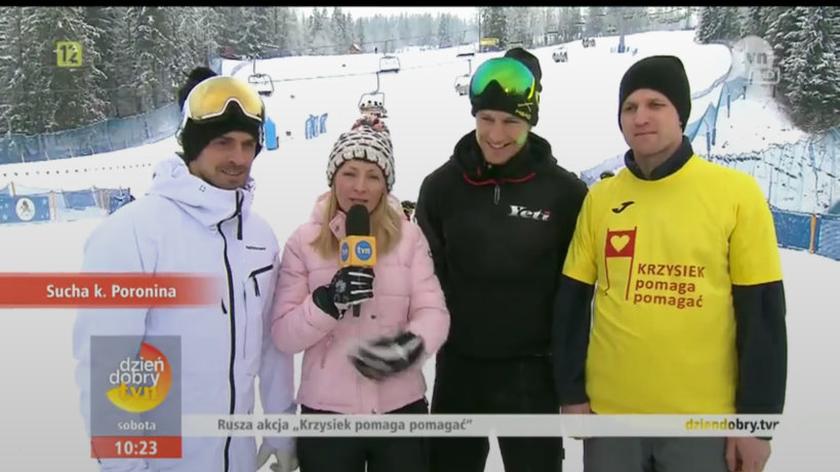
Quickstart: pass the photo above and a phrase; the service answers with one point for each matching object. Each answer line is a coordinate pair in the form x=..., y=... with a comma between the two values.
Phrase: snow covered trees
x=806, y=49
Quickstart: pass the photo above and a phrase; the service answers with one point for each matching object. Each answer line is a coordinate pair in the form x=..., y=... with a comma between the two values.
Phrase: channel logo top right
x=753, y=59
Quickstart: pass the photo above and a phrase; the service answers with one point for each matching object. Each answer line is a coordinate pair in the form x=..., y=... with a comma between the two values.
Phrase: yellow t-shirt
x=663, y=255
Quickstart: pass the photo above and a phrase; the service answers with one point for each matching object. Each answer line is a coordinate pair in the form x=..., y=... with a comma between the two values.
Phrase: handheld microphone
x=358, y=248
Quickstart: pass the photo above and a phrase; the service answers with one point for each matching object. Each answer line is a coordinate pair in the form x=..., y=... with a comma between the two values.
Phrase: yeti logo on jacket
x=522, y=212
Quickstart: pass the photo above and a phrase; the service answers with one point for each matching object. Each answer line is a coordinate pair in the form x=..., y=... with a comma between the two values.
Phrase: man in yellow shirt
x=689, y=307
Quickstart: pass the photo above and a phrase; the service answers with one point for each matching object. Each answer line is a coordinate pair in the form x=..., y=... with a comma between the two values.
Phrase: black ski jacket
x=499, y=236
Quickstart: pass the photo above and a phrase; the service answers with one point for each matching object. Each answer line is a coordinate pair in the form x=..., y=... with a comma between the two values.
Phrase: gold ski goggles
x=212, y=97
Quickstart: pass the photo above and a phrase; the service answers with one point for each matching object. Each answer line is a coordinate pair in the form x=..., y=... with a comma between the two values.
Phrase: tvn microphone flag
x=358, y=248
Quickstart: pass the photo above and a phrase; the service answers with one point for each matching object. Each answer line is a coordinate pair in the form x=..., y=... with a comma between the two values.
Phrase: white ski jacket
x=185, y=225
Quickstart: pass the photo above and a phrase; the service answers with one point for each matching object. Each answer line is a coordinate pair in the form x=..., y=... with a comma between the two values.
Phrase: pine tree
x=57, y=98
x=595, y=21
x=708, y=28
x=174, y=55
x=404, y=31
x=493, y=22
x=196, y=30
x=516, y=26
x=444, y=35
x=147, y=29
x=814, y=94
x=287, y=30
x=317, y=32
x=784, y=22
x=719, y=24
x=833, y=19
x=570, y=23
x=253, y=32
x=341, y=27
x=426, y=30
x=11, y=53
x=754, y=21
x=730, y=25
x=101, y=19
x=359, y=34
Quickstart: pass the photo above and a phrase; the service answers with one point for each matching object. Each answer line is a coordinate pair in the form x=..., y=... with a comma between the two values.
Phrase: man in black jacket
x=499, y=216
x=689, y=308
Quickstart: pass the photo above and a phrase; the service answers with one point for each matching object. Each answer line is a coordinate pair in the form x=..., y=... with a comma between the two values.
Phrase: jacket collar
x=337, y=224
x=208, y=204
x=670, y=166
x=534, y=154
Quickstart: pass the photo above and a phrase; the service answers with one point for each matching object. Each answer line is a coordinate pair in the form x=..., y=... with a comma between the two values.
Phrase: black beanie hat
x=196, y=76
x=666, y=75
x=494, y=98
x=194, y=137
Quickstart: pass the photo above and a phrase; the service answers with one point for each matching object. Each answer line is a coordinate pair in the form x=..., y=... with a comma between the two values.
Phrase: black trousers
x=507, y=386
x=380, y=454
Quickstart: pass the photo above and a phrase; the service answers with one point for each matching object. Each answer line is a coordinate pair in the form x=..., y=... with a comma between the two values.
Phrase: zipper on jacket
x=497, y=193
x=239, y=215
x=229, y=273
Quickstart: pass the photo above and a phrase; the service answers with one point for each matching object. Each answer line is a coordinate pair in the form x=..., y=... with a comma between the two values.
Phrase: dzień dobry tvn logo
x=135, y=400
x=141, y=385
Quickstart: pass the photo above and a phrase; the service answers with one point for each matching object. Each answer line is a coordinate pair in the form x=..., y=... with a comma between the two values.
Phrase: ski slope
x=42, y=427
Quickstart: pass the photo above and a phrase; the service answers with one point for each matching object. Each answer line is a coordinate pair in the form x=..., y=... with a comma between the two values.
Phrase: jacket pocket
x=254, y=276
x=255, y=302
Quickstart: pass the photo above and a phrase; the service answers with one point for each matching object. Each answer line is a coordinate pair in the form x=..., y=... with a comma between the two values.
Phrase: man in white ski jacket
x=197, y=219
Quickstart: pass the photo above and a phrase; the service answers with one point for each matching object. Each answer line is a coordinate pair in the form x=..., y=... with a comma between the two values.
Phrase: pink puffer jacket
x=407, y=296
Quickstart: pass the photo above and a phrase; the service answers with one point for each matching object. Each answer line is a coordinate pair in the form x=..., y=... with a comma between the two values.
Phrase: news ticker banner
x=135, y=397
x=107, y=290
x=580, y=426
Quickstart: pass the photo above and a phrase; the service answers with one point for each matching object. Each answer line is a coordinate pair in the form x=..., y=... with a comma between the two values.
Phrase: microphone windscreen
x=358, y=221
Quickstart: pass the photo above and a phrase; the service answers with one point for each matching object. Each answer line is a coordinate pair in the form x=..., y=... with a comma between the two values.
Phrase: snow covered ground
x=42, y=429
x=768, y=122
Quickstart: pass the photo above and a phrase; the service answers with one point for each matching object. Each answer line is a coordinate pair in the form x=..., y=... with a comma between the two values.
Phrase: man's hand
x=747, y=454
x=286, y=459
x=576, y=409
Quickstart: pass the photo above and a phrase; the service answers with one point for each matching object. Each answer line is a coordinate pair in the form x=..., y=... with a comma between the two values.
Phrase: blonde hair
x=385, y=224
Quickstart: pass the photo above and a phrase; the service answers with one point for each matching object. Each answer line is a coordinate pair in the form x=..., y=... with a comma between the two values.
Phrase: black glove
x=349, y=286
x=387, y=356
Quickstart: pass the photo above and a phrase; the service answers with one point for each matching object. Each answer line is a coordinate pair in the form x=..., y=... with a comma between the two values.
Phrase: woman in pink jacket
x=372, y=363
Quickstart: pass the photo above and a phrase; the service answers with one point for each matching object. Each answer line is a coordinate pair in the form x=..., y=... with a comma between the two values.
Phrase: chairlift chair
x=465, y=50
x=462, y=84
x=263, y=83
x=389, y=63
x=373, y=104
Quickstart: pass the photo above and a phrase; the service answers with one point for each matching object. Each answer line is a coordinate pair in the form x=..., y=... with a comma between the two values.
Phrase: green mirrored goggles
x=511, y=75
